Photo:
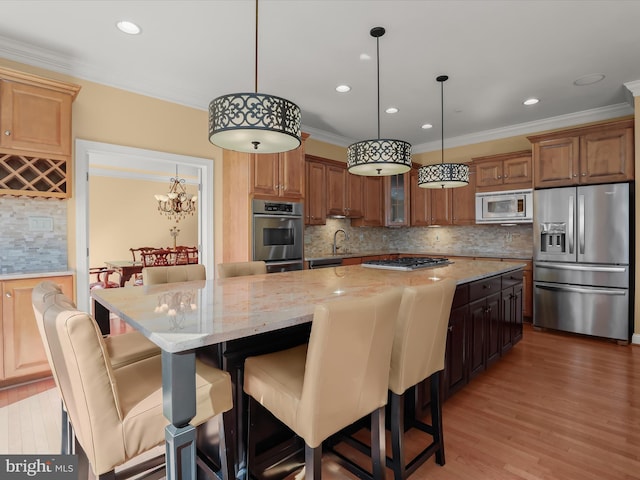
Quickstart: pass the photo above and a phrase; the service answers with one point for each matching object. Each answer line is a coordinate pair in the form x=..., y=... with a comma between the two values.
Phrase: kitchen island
x=242, y=316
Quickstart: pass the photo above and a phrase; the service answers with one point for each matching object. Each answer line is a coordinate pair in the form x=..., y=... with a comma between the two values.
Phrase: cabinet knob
x=7, y=132
x=8, y=294
x=450, y=328
x=584, y=174
x=575, y=174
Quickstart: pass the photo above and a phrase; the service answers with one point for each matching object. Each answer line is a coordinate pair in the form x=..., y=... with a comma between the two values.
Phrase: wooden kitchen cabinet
x=23, y=356
x=35, y=134
x=344, y=192
x=507, y=171
x=315, y=200
x=455, y=372
x=372, y=203
x=599, y=153
x=511, y=314
x=484, y=324
x=420, y=202
x=278, y=175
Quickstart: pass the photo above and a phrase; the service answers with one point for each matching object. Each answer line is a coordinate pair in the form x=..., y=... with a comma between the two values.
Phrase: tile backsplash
x=33, y=234
x=482, y=240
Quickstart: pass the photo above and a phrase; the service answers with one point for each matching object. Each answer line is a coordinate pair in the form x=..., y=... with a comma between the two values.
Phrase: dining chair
x=339, y=377
x=186, y=255
x=418, y=351
x=240, y=269
x=175, y=273
x=136, y=256
x=158, y=257
x=117, y=413
x=103, y=278
x=123, y=349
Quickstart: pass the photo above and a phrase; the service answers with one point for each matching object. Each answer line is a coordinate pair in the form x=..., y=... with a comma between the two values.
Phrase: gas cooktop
x=407, y=263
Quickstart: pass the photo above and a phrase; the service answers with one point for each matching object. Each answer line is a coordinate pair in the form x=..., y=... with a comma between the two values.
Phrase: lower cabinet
x=485, y=322
x=23, y=356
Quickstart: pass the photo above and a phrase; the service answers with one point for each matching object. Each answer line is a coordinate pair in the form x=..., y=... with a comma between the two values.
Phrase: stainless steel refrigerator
x=581, y=269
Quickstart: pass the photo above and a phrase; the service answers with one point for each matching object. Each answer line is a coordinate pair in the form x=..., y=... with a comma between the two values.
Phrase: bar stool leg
x=436, y=418
x=313, y=462
x=397, y=436
x=378, y=444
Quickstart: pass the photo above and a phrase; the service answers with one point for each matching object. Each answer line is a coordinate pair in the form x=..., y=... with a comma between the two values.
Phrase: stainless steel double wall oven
x=278, y=230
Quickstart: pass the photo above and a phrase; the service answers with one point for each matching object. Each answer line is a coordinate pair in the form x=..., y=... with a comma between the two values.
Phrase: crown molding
x=327, y=137
x=562, y=121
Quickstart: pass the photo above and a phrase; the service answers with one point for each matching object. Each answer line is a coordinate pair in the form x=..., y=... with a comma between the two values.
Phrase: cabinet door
x=517, y=312
x=556, y=162
x=336, y=190
x=493, y=320
x=507, y=319
x=291, y=175
x=420, y=210
x=396, y=200
x=489, y=173
x=455, y=375
x=477, y=332
x=24, y=353
x=527, y=291
x=607, y=156
x=355, y=197
x=463, y=201
x=517, y=170
x=315, y=202
x=372, y=214
x=441, y=211
x=265, y=174
x=35, y=119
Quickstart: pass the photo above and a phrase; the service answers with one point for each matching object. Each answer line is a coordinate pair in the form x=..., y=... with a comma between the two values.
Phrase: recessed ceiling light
x=427, y=126
x=531, y=101
x=365, y=56
x=588, y=79
x=343, y=88
x=391, y=110
x=128, y=27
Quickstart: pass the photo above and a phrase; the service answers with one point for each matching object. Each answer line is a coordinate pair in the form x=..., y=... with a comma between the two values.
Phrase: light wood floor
x=557, y=407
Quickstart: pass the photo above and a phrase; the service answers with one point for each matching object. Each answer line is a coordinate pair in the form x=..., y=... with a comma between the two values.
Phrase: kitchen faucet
x=335, y=235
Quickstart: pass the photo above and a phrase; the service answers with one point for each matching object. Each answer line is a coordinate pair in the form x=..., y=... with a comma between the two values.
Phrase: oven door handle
x=281, y=217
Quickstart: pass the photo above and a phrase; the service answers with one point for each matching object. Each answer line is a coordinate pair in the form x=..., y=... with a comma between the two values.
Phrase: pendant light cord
x=256, y=58
x=442, y=122
x=378, y=77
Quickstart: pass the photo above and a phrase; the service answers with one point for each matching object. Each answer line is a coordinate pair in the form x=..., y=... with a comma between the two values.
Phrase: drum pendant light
x=443, y=175
x=254, y=122
x=380, y=156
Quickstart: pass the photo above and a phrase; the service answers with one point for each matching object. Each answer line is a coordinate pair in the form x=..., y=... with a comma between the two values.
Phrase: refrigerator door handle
x=570, y=225
x=581, y=233
x=581, y=268
x=589, y=290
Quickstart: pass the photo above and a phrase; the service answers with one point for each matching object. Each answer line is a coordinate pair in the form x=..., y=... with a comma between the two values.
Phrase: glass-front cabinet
x=397, y=200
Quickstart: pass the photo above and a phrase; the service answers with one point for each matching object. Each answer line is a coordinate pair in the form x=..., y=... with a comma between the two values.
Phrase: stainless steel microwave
x=510, y=206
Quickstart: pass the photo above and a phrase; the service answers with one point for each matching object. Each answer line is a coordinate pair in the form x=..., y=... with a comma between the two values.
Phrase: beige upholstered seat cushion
x=339, y=378
x=174, y=273
x=241, y=269
x=420, y=338
x=116, y=413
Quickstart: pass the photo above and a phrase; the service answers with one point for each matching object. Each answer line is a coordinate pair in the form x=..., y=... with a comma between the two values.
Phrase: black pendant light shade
x=254, y=122
x=443, y=175
x=380, y=156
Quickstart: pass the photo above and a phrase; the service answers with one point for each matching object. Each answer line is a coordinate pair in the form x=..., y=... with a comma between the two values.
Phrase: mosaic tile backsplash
x=481, y=240
x=33, y=235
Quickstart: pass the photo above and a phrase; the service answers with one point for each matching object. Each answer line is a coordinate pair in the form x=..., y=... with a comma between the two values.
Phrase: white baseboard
x=635, y=338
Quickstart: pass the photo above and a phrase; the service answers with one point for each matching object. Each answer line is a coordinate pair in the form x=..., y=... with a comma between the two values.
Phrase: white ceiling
x=496, y=53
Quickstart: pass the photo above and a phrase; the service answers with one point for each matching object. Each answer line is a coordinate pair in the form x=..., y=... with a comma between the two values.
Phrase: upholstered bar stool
x=339, y=377
x=175, y=273
x=122, y=349
x=240, y=269
x=117, y=414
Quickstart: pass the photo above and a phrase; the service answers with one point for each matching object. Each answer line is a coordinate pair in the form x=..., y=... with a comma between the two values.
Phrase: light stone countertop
x=22, y=276
x=196, y=314
x=324, y=256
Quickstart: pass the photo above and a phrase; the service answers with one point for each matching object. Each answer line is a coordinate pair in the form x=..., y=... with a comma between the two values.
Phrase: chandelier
x=176, y=203
x=380, y=156
x=176, y=306
x=254, y=122
x=443, y=175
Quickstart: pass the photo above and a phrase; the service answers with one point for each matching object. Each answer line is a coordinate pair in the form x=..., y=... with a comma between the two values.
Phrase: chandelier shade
x=380, y=156
x=443, y=175
x=254, y=122
x=176, y=204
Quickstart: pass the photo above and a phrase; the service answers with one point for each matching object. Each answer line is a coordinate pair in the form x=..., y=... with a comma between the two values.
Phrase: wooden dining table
x=126, y=269
x=238, y=309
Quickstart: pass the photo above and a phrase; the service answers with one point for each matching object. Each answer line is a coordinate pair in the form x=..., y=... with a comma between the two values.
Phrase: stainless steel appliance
x=582, y=260
x=407, y=263
x=510, y=206
x=278, y=231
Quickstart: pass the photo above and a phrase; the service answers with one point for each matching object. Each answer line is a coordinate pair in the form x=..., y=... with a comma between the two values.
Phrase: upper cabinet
x=279, y=175
x=596, y=154
x=315, y=201
x=396, y=197
x=372, y=203
x=344, y=192
x=35, y=134
x=506, y=171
